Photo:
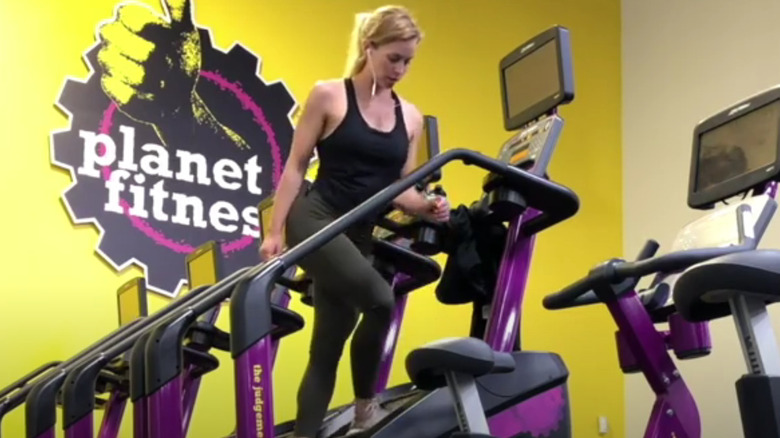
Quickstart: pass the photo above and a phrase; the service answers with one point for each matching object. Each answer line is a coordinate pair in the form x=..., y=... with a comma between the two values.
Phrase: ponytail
x=356, y=54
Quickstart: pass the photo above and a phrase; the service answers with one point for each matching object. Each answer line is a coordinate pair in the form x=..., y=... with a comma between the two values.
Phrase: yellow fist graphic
x=150, y=69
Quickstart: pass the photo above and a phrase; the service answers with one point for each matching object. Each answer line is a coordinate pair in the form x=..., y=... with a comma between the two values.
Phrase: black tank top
x=356, y=160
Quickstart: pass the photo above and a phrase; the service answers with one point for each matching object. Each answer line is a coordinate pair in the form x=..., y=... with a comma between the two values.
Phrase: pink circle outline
x=247, y=103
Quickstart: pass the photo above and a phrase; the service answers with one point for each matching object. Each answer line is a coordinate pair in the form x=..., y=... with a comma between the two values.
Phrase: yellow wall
x=57, y=295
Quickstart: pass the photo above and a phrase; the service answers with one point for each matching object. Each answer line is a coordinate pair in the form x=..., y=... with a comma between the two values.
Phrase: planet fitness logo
x=172, y=142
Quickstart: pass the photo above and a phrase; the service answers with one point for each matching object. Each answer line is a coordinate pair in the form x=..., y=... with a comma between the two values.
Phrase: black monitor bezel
x=706, y=199
x=431, y=137
x=559, y=35
x=139, y=284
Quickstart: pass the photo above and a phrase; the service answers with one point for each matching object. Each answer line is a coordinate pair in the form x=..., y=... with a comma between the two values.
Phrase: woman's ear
x=370, y=47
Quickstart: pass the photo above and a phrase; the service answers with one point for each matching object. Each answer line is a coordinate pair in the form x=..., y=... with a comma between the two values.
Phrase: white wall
x=683, y=61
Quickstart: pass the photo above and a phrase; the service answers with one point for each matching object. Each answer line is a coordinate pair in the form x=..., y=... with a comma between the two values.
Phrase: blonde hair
x=384, y=25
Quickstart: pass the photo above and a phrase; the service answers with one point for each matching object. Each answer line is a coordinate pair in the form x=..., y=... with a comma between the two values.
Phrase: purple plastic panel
x=540, y=416
x=254, y=391
x=82, y=429
x=689, y=339
x=665, y=421
x=190, y=386
x=504, y=323
x=771, y=189
x=626, y=359
x=48, y=434
x=112, y=417
x=391, y=338
x=675, y=410
x=140, y=419
x=166, y=413
x=190, y=389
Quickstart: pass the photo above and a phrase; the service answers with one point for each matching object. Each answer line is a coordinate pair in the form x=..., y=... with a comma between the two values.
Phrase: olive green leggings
x=345, y=284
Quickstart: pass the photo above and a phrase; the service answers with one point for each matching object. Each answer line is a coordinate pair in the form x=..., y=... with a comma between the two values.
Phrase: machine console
x=734, y=224
x=736, y=151
x=531, y=149
x=535, y=79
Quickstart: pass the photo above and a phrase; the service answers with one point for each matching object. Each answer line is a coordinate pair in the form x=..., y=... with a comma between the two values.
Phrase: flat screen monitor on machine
x=131, y=301
x=536, y=78
x=203, y=265
x=735, y=151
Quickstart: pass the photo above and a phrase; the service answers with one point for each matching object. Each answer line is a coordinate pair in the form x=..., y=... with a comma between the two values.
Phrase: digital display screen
x=202, y=267
x=130, y=302
x=266, y=213
x=738, y=147
x=424, y=147
x=532, y=79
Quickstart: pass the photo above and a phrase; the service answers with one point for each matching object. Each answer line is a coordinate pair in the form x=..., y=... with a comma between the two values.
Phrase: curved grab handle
x=581, y=292
x=555, y=201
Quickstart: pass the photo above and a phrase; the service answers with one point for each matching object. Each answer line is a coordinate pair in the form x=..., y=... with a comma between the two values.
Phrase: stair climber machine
x=711, y=271
x=111, y=384
x=742, y=284
x=114, y=381
x=517, y=190
x=529, y=398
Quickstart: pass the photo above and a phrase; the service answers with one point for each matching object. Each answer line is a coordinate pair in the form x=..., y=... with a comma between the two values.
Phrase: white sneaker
x=367, y=414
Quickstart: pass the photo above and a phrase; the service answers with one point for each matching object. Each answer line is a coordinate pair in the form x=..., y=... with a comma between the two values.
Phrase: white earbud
x=373, y=73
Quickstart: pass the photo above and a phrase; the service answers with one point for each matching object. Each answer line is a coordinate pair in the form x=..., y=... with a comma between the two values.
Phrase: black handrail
x=250, y=306
x=615, y=271
x=27, y=378
x=560, y=202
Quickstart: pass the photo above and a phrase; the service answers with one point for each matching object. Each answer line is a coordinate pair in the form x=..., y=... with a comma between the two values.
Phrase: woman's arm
x=307, y=132
x=411, y=201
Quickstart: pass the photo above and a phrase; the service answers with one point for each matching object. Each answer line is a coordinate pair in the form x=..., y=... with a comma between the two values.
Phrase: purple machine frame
x=168, y=412
x=158, y=414
x=643, y=348
x=545, y=415
x=111, y=421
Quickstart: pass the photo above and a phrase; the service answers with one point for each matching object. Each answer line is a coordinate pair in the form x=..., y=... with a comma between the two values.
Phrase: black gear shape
x=160, y=247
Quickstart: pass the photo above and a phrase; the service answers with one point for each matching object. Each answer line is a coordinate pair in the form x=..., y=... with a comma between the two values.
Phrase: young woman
x=366, y=138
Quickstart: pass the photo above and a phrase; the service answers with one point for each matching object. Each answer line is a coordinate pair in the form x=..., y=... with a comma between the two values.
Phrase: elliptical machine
x=741, y=284
x=734, y=151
